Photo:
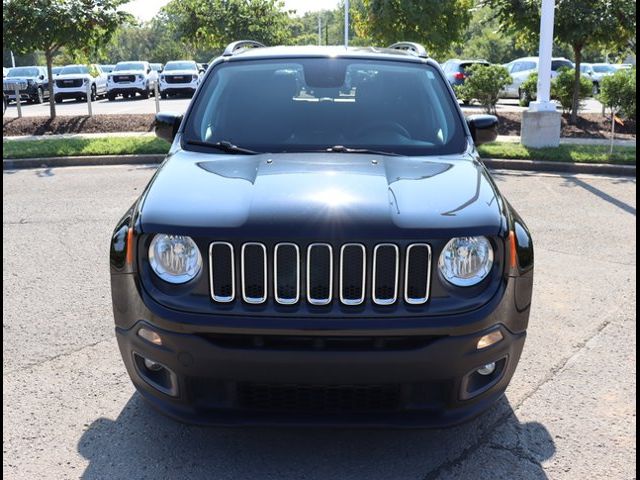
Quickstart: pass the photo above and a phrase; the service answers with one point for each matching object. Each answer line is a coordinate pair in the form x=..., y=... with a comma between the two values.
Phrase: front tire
x=94, y=95
x=111, y=97
x=146, y=94
x=57, y=99
x=39, y=98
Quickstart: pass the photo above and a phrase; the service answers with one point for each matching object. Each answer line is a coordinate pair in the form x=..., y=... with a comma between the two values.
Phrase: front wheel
x=146, y=94
x=524, y=98
x=57, y=99
x=111, y=97
x=94, y=95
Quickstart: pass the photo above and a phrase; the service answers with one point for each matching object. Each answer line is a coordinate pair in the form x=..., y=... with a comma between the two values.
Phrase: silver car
x=80, y=81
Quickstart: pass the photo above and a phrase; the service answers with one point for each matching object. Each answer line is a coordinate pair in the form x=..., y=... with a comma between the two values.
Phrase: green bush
x=618, y=92
x=563, y=85
x=484, y=83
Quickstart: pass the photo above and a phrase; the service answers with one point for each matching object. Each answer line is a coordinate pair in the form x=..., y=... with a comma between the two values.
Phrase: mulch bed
x=95, y=124
x=590, y=125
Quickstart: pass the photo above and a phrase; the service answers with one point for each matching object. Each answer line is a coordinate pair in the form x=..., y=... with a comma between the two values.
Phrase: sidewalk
x=575, y=141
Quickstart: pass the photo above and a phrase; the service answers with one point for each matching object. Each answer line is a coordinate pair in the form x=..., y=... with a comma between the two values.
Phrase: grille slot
x=71, y=83
x=386, y=266
x=417, y=273
x=319, y=274
x=124, y=78
x=286, y=273
x=355, y=282
x=353, y=268
x=318, y=398
x=222, y=272
x=254, y=273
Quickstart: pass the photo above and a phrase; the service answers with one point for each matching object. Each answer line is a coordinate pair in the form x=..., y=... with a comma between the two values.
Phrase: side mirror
x=167, y=124
x=41, y=77
x=484, y=128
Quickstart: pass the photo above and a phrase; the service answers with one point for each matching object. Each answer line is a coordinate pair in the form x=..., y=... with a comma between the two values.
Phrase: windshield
x=604, y=69
x=181, y=66
x=317, y=103
x=129, y=66
x=107, y=68
x=156, y=67
x=23, y=72
x=72, y=69
x=558, y=64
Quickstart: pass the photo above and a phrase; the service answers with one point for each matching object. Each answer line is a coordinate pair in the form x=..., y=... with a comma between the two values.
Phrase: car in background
x=55, y=71
x=4, y=71
x=107, y=68
x=33, y=81
x=74, y=81
x=522, y=68
x=596, y=72
x=456, y=70
x=131, y=78
x=179, y=77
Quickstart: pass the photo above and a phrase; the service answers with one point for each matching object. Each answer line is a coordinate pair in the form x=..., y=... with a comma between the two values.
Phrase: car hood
x=179, y=72
x=127, y=72
x=73, y=76
x=18, y=79
x=295, y=195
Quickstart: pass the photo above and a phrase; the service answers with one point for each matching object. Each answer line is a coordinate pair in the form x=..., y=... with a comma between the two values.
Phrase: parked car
x=520, y=70
x=596, y=72
x=107, y=68
x=129, y=79
x=303, y=256
x=73, y=81
x=179, y=77
x=4, y=71
x=456, y=70
x=34, y=80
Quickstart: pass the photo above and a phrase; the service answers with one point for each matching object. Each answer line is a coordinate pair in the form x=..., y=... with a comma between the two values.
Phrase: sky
x=146, y=9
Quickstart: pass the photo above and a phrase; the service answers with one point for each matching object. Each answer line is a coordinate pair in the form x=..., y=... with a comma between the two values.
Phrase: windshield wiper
x=343, y=149
x=223, y=145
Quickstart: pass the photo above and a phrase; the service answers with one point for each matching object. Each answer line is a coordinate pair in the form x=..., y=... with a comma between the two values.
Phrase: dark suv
x=322, y=245
x=33, y=84
x=456, y=70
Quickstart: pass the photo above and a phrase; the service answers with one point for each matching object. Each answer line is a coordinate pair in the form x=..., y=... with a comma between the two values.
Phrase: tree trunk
x=575, y=104
x=48, y=54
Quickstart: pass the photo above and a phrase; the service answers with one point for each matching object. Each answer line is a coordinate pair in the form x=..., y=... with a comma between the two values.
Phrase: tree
x=216, y=23
x=435, y=23
x=49, y=25
x=578, y=23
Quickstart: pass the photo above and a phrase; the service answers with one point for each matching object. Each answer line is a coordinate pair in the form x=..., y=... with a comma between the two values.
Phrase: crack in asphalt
x=471, y=449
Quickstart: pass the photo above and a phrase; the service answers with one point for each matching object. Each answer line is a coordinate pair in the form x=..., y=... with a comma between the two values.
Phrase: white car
x=596, y=72
x=179, y=77
x=131, y=78
x=522, y=68
x=74, y=81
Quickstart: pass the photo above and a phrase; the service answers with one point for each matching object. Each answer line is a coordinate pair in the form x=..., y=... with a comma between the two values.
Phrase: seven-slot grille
x=69, y=83
x=178, y=78
x=288, y=282
x=124, y=78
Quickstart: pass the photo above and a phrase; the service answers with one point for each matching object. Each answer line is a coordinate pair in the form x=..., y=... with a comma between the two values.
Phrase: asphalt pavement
x=139, y=105
x=70, y=411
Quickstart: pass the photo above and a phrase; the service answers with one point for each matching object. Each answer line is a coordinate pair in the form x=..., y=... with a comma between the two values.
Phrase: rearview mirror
x=484, y=128
x=167, y=124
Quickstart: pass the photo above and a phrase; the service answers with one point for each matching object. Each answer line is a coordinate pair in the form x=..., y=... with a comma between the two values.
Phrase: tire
x=146, y=94
x=39, y=98
x=163, y=96
x=111, y=97
x=57, y=99
x=596, y=89
x=94, y=95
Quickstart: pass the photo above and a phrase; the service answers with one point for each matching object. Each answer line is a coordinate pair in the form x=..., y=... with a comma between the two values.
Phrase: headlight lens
x=140, y=77
x=174, y=258
x=466, y=261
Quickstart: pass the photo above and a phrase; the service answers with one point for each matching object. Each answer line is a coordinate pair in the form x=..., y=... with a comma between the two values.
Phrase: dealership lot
x=180, y=104
x=70, y=410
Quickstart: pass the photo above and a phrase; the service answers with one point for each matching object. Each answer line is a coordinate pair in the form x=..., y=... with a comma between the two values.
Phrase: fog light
x=150, y=336
x=487, y=369
x=490, y=339
x=153, y=366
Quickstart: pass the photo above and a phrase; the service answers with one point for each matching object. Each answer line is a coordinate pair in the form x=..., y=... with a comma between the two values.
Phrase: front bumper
x=70, y=92
x=29, y=93
x=126, y=88
x=166, y=87
x=253, y=375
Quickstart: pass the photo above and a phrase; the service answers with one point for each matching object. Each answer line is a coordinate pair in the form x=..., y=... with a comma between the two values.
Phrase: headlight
x=174, y=258
x=139, y=78
x=194, y=77
x=466, y=261
x=162, y=77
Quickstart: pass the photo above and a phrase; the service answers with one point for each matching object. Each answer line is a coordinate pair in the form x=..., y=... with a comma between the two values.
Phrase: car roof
x=535, y=59
x=327, y=51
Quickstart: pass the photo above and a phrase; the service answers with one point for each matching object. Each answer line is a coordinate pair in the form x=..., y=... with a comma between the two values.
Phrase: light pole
x=346, y=23
x=541, y=123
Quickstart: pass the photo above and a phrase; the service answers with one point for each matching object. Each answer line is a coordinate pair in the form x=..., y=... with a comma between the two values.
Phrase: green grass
x=564, y=153
x=73, y=147
x=57, y=147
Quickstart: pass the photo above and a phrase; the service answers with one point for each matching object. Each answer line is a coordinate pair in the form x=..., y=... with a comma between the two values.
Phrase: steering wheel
x=382, y=127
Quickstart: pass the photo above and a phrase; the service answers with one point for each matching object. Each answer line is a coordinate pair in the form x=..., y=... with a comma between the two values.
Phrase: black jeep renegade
x=322, y=245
